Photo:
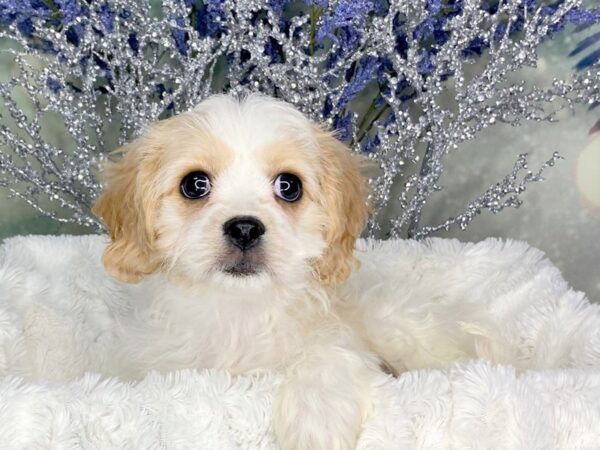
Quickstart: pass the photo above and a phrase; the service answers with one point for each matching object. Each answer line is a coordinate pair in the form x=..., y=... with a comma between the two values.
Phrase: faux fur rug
x=542, y=392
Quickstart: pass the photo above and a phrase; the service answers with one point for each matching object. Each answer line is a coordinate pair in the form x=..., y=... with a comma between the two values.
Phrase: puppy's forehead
x=256, y=137
x=253, y=124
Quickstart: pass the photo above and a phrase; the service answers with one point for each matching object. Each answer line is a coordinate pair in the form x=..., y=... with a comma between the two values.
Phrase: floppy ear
x=126, y=207
x=344, y=198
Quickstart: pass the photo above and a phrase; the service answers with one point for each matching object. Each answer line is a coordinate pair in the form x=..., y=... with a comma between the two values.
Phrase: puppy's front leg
x=326, y=394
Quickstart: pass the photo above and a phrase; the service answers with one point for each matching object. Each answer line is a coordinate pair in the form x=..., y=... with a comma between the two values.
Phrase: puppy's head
x=238, y=192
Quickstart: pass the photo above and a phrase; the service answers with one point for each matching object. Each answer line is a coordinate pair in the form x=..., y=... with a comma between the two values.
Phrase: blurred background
x=560, y=216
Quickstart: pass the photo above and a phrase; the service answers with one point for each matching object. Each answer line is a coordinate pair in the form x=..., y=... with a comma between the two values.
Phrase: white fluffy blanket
x=539, y=321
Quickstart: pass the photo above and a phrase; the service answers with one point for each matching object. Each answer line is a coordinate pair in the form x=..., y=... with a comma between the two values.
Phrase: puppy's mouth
x=242, y=264
x=241, y=269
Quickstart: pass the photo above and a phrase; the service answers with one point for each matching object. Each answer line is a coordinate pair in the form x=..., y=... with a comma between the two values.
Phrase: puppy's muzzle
x=244, y=231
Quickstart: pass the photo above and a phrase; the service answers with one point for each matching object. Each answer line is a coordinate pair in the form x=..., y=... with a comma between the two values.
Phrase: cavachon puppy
x=238, y=219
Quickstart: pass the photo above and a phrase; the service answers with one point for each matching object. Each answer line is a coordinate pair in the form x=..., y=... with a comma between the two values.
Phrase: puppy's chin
x=242, y=264
x=241, y=277
x=242, y=269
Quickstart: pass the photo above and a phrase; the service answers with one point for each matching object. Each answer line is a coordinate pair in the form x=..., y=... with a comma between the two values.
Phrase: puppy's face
x=245, y=194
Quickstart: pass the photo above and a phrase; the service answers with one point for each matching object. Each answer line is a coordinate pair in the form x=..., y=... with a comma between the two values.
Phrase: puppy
x=241, y=218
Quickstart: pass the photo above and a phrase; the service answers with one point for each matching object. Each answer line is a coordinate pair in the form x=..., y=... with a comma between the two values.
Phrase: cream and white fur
x=294, y=316
x=190, y=313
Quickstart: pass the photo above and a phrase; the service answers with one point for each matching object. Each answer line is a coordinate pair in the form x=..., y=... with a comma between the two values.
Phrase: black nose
x=244, y=231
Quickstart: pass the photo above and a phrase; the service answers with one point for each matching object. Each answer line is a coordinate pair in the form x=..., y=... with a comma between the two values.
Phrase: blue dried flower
x=589, y=60
x=475, y=47
x=424, y=29
x=349, y=37
x=100, y=62
x=245, y=55
x=433, y=6
x=391, y=118
x=327, y=107
x=583, y=18
x=206, y=15
x=499, y=32
x=384, y=65
x=274, y=50
x=104, y=67
x=549, y=9
x=107, y=17
x=320, y=3
x=365, y=73
x=161, y=90
x=333, y=58
x=380, y=7
x=22, y=11
x=70, y=10
x=74, y=34
x=343, y=124
x=517, y=25
x=454, y=7
x=133, y=42
x=370, y=143
x=345, y=15
x=246, y=76
x=53, y=84
x=586, y=43
x=169, y=110
x=277, y=6
x=425, y=65
x=431, y=27
x=25, y=27
x=179, y=37
x=402, y=45
x=576, y=16
x=403, y=90
x=348, y=9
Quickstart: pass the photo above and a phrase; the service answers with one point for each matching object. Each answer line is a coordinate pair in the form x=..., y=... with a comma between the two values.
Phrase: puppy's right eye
x=195, y=185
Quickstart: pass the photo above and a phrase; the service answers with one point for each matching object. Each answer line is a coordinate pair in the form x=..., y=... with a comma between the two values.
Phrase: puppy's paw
x=309, y=421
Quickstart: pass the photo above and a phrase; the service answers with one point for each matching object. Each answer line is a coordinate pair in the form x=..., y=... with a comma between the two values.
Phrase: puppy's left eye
x=195, y=185
x=288, y=187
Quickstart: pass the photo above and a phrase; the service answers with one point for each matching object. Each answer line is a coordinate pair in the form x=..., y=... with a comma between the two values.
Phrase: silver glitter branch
x=479, y=103
x=433, y=75
x=505, y=194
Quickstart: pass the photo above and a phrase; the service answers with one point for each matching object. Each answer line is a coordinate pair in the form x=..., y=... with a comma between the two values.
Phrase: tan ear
x=344, y=198
x=126, y=207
